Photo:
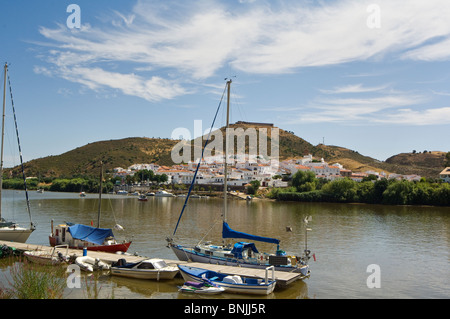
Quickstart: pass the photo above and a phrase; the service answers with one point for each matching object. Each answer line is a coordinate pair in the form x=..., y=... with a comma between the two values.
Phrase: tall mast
x=225, y=184
x=100, y=195
x=3, y=134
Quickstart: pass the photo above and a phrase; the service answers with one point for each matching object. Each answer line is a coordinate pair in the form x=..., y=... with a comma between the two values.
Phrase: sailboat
x=80, y=236
x=241, y=253
x=10, y=231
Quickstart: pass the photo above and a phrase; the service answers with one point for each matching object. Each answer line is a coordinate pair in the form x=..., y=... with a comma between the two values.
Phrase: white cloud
x=194, y=41
x=438, y=51
x=353, y=88
x=434, y=116
x=360, y=110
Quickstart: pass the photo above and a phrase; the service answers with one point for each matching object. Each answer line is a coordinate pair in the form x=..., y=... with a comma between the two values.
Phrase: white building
x=445, y=175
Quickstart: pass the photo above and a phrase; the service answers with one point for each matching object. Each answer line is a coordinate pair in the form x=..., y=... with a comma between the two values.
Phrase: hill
x=425, y=164
x=85, y=160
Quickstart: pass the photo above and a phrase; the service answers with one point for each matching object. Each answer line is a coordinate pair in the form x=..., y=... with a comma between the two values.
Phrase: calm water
x=410, y=244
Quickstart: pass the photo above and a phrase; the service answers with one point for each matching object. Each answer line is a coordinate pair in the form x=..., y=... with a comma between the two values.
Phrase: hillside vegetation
x=85, y=160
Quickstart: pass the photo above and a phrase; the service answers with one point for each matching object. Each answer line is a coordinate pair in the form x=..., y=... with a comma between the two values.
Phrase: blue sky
x=372, y=76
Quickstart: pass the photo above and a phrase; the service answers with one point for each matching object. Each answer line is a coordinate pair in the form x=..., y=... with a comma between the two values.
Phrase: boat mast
x=3, y=135
x=225, y=184
x=100, y=195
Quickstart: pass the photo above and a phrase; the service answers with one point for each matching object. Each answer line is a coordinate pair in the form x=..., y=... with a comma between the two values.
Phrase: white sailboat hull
x=18, y=234
x=186, y=255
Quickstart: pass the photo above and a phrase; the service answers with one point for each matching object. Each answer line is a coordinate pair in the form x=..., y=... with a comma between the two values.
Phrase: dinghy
x=90, y=264
x=231, y=283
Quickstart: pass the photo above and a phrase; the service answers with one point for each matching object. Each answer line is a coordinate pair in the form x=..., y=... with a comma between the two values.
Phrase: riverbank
x=303, y=189
x=390, y=192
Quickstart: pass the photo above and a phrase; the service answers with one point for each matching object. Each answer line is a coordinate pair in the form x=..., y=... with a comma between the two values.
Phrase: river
x=409, y=246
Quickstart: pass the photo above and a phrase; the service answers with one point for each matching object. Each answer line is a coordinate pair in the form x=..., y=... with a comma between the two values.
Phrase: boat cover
x=90, y=234
x=227, y=232
x=238, y=248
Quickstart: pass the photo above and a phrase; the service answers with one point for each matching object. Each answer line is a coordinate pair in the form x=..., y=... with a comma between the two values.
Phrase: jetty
x=282, y=278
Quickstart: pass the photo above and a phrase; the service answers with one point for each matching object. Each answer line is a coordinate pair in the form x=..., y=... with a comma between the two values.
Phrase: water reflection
x=345, y=238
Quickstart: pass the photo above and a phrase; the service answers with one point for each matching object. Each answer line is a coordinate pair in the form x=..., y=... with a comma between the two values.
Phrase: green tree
x=447, y=160
x=253, y=187
x=398, y=193
x=144, y=175
x=365, y=192
x=441, y=195
x=378, y=189
x=304, y=181
x=341, y=190
x=421, y=194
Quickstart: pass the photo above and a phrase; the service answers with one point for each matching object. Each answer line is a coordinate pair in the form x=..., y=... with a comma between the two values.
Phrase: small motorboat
x=90, y=264
x=205, y=287
x=142, y=198
x=154, y=268
x=164, y=194
x=43, y=257
x=231, y=283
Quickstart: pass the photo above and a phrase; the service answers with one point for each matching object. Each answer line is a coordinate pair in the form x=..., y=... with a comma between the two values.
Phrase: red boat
x=142, y=198
x=79, y=236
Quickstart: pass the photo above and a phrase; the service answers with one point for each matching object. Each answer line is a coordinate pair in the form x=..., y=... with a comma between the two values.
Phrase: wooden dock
x=283, y=278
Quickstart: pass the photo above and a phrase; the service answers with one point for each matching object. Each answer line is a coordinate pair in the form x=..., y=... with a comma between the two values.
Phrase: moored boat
x=164, y=194
x=9, y=230
x=205, y=287
x=153, y=268
x=142, y=198
x=43, y=257
x=241, y=254
x=90, y=264
x=79, y=236
x=231, y=283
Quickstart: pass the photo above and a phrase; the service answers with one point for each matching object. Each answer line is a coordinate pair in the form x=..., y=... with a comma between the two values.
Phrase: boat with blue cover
x=79, y=236
x=231, y=283
x=241, y=253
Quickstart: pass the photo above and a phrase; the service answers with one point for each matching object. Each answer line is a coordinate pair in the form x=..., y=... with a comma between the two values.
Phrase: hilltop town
x=240, y=174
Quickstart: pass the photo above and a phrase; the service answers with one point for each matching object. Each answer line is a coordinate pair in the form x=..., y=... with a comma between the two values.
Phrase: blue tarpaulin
x=90, y=234
x=238, y=248
x=227, y=232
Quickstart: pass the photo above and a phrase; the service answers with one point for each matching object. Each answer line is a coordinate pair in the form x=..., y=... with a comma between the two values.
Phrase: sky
x=372, y=76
